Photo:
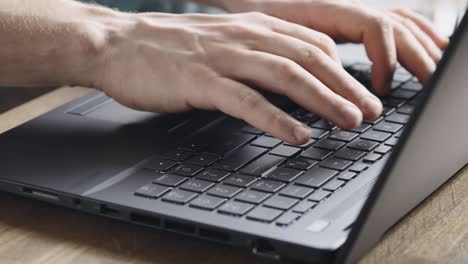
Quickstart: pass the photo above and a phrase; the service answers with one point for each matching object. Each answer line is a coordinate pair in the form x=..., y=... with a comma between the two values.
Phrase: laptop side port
x=109, y=210
x=147, y=220
x=76, y=202
x=179, y=227
x=263, y=248
x=41, y=194
x=214, y=235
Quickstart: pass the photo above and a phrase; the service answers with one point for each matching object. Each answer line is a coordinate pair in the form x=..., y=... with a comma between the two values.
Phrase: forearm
x=228, y=5
x=46, y=42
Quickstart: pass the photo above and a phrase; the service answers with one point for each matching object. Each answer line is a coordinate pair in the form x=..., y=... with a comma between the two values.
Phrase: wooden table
x=34, y=232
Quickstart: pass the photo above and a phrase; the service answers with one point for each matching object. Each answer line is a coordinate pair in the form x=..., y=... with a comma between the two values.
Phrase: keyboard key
x=179, y=196
x=212, y=175
x=177, y=155
x=301, y=163
x=373, y=122
x=262, y=165
x=398, y=118
x=383, y=149
x=203, y=160
x=267, y=186
x=343, y=135
x=376, y=135
x=224, y=191
x=304, y=206
x=287, y=219
x=264, y=214
x=335, y=164
x=280, y=202
x=251, y=130
x=187, y=170
x=192, y=146
x=207, y=202
x=358, y=167
x=319, y=195
x=317, y=133
x=285, y=151
x=406, y=109
x=303, y=146
x=416, y=100
x=403, y=94
x=323, y=124
x=362, y=128
x=388, y=127
x=227, y=144
x=328, y=144
x=266, y=142
x=387, y=110
x=333, y=185
x=412, y=86
x=159, y=164
x=398, y=134
x=316, y=154
x=347, y=175
x=393, y=102
x=392, y=141
x=296, y=191
x=195, y=185
x=316, y=177
x=350, y=154
x=283, y=174
x=239, y=158
x=151, y=190
x=235, y=208
x=239, y=180
x=250, y=196
x=170, y=180
x=371, y=158
x=364, y=145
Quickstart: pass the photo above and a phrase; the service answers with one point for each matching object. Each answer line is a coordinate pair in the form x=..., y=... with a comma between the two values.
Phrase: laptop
x=206, y=175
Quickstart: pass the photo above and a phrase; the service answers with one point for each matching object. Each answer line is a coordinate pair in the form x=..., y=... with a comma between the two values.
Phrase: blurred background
x=444, y=13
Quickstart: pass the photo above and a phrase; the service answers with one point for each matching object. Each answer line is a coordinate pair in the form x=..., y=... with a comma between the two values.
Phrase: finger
x=240, y=101
x=412, y=54
x=428, y=44
x=312, y=37
x=425, y=25
x=345, y=21
x=285, y=77
x=315, y=61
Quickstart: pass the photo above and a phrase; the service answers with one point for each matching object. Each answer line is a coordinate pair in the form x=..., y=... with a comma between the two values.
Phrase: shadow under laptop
x=30, y=228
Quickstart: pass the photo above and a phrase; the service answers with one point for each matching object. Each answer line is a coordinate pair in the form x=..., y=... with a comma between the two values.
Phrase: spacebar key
x=239, y=158
x=262, y=165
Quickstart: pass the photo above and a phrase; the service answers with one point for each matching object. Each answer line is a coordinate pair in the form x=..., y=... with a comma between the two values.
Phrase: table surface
x=35, y=232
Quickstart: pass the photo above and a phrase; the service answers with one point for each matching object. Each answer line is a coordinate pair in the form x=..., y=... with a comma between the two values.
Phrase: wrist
x=86, y=47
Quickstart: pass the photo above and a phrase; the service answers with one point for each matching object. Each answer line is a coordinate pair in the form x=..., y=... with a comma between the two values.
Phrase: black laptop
x=207, y=175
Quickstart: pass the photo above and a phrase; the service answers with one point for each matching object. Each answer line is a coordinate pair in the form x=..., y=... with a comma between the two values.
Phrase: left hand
x=389, y=36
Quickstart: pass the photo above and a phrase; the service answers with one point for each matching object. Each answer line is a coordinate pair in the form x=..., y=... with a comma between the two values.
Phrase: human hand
x=389, y=36
x=170, y=63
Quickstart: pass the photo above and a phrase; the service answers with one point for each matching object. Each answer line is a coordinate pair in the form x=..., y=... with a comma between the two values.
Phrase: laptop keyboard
x=254, y=176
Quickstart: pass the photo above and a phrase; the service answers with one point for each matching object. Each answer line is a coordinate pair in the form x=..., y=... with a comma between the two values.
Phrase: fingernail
x=350, y=116
x=301, y=133
x=372, y=107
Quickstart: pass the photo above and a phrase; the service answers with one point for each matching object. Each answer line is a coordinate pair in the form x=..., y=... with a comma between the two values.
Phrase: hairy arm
x=46, y=42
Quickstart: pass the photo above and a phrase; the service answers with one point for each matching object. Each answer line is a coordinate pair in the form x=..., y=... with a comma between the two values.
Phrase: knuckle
x=382, y=23
x=327, y=43
x=287, y=70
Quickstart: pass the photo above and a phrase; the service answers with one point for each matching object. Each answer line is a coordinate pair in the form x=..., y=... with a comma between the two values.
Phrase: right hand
x=171, y=63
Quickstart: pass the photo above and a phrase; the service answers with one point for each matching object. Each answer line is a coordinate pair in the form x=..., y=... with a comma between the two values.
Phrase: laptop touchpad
x=115, y=112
